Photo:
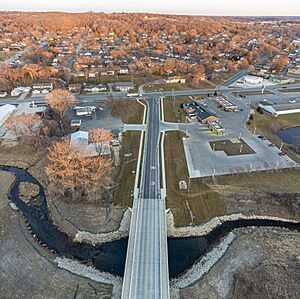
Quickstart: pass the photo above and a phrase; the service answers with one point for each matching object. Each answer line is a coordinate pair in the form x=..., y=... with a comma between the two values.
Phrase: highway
x=146, y=271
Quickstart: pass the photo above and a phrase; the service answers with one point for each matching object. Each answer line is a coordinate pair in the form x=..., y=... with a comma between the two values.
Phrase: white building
x=280, y=109
x=5, y=112
x=80, y=143
x=253, y=80
x=19, y=90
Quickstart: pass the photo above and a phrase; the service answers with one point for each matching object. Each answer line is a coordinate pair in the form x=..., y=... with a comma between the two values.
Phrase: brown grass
x=193, y=206
x=267, y=126
x=124, y=174
x=173, y=109
x=271, y=181
x=130, y=111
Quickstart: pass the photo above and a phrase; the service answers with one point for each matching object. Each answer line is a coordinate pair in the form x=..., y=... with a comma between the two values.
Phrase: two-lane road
x=146, y=272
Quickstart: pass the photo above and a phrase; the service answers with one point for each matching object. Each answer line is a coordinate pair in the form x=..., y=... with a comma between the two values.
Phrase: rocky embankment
x=94, y=239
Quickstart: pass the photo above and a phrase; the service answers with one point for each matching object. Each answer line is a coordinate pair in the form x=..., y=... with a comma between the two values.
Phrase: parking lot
x=101, y=118
x=203, y=161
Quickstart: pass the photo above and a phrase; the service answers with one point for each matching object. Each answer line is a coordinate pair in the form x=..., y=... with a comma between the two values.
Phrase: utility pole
x=241, y=147
x=173, y=98
x=281, y=146
x=214, y=173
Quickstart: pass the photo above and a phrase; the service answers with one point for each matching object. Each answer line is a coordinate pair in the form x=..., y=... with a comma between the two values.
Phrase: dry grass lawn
x=197, y=204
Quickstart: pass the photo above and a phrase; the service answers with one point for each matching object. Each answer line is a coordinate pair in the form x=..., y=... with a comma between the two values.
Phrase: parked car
x=282, y=154
x=271, y=145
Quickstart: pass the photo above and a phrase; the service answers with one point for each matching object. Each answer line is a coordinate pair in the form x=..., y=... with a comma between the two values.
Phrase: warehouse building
x=280, y=109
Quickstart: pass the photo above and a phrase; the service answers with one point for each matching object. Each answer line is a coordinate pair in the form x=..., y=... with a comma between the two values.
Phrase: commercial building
x=225, y=104
x=216, y=127
x=195, y=110
x=279, y=80
x=253, y=79
x=280, y=109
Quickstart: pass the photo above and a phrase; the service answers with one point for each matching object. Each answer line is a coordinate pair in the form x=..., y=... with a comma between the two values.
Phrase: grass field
x=124, y=174
x=130, y=111
x=195, y=205
x=274, y=181
x=137, y=79
x=267, y=125
x=232, y=148
x=173, y=109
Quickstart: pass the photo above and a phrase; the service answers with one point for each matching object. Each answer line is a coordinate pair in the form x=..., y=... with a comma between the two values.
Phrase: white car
x=292, y=101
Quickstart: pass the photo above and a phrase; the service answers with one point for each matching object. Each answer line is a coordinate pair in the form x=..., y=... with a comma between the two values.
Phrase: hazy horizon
x=189, y=7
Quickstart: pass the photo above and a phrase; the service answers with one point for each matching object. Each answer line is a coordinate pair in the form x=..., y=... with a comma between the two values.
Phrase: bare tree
x=100, y=136
x=26, y=127
x=60, y=100
x=71, y=173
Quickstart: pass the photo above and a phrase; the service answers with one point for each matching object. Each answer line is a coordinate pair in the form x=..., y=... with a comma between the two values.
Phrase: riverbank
x=207, y=227
x=23, y=259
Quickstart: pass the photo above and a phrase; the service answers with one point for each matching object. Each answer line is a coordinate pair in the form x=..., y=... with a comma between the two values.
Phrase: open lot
x=203, y=161
x=197, y=204
x=232, y=147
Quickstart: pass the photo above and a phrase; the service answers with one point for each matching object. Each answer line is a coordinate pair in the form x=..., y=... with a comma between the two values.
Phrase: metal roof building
x=5, y=112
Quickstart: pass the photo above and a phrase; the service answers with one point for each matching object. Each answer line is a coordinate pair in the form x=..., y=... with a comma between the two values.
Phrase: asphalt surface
x=146, y=271
x=150, y=95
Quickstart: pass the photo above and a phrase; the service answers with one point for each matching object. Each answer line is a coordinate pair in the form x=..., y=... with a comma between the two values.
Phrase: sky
x=193, y=7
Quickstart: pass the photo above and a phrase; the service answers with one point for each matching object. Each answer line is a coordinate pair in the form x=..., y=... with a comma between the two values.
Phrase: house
x=123, y=71
x=41, y=86
x=3, y=94
x=79, y=145
x=86, y=110
x=94, y=88
x=19, y=90
x=74, y=88
x=123, y=86
x=175, y=79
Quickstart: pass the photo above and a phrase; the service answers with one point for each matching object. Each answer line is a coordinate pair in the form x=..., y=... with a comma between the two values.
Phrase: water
x=291, y=136
x=110, y=257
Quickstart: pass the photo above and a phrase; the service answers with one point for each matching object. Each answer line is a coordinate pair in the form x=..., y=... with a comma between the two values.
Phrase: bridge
x=146, y=270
